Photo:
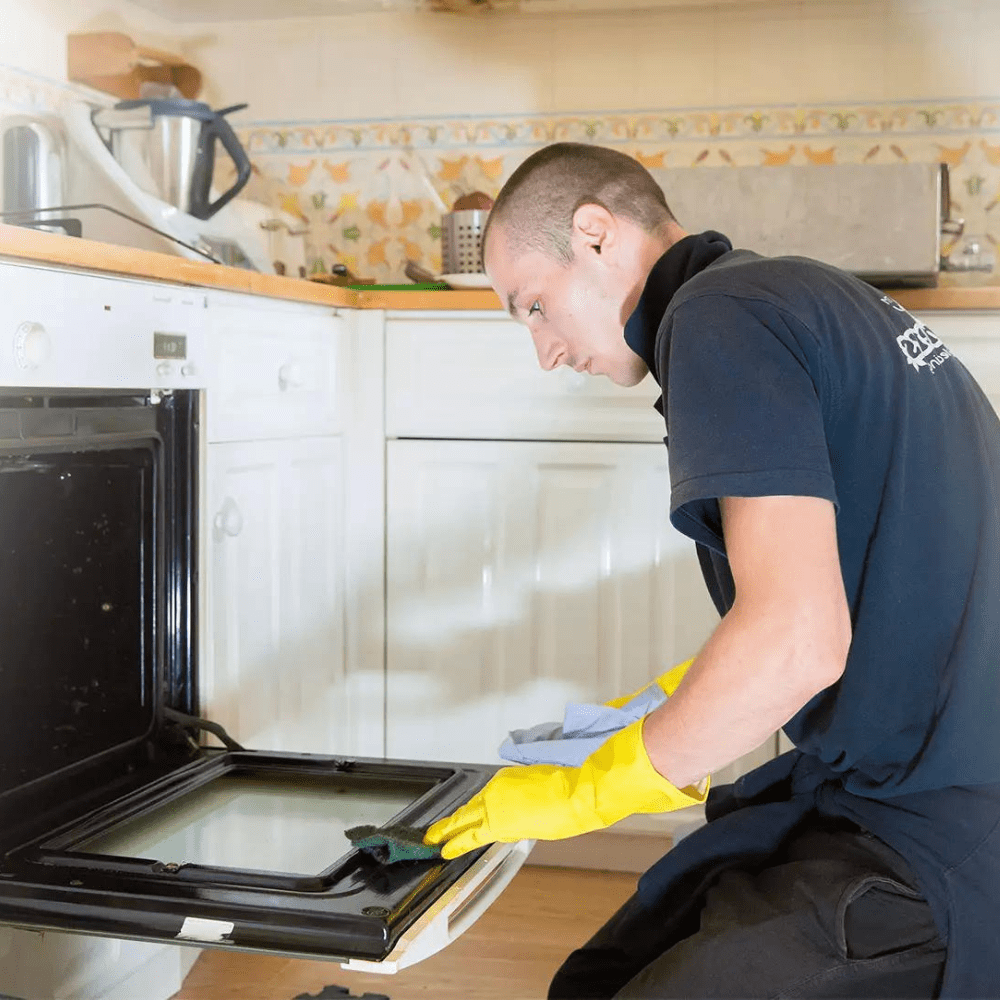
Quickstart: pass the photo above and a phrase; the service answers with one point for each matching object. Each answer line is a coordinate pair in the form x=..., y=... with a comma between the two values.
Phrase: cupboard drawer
x=276, y=370
x=470, y=375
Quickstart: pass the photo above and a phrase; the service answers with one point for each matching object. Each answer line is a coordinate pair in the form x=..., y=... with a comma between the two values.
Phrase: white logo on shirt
x=919, y=344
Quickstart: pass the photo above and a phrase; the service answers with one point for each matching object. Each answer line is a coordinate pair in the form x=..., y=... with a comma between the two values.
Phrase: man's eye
x=534, y=307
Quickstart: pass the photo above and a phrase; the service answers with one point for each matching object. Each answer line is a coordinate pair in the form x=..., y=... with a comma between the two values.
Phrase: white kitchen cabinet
x=475, y=375
x=291, y=661
x=525, y=575
x=278, y=677
x=277, y=369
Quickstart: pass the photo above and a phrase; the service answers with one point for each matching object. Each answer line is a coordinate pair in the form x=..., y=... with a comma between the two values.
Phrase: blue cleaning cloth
x=583, y=730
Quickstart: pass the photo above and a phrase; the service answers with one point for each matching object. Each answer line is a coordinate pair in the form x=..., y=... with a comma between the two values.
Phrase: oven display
x=170, y=345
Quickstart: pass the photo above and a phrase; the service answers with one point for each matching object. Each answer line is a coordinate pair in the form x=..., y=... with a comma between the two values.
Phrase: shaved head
x=536, y=206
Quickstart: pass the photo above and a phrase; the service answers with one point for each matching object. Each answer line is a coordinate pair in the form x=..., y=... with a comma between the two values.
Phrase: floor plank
x=511, y=952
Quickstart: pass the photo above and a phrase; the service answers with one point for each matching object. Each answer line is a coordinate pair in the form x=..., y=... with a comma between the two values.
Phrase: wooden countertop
x=18, y=243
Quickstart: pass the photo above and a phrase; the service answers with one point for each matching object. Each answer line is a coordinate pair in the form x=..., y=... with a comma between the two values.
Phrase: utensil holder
x=462, y=241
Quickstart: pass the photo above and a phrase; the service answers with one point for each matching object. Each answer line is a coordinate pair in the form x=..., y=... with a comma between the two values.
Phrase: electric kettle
x=167, y=146
x=32, y=164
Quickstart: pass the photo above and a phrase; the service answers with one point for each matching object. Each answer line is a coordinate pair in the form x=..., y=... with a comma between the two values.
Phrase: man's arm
x=783, y=641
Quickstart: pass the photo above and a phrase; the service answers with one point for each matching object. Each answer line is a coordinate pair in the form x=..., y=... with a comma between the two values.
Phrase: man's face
x=574, y=312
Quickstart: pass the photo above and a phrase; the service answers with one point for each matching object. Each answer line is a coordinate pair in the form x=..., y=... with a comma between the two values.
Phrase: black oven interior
x=97, y=528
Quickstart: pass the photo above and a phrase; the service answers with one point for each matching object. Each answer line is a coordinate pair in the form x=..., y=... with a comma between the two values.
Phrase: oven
x=116, y=817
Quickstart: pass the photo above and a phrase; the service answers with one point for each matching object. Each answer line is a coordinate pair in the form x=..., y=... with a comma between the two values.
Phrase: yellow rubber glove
x=547, y=802
x=669, y=681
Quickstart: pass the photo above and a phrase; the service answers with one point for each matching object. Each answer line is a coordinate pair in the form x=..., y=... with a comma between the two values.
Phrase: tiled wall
x=385, y=104
x=352, y=117
x=361, y=186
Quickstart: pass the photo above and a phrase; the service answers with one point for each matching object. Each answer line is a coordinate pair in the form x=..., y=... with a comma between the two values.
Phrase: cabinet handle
x=290, y=376
x=229, y=520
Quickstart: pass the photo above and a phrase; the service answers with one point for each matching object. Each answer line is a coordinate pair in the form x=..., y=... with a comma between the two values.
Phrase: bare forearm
x=752, y=676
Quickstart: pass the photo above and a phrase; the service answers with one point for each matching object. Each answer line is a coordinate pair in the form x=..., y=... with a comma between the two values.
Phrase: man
x=839, y=472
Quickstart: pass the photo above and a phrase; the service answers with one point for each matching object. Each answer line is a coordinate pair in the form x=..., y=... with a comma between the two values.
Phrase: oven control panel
x=63, y=329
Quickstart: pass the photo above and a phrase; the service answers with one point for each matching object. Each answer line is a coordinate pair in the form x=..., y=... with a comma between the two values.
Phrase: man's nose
x=551, y=354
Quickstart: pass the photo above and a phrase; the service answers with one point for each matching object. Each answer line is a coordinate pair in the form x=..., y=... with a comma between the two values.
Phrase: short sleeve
x=743, y=409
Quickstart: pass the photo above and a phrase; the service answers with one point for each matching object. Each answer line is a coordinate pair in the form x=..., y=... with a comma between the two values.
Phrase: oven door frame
x=357, y=911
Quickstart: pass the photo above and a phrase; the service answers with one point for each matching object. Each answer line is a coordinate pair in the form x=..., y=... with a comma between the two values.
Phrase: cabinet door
x=483, y=366
x=522, y=576
x=277, y=677
x=277, y=369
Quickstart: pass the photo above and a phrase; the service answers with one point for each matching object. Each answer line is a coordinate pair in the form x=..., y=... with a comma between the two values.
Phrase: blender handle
x=221, y=129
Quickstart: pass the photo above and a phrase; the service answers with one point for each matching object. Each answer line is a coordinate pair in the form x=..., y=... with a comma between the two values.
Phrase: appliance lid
x=177, y=107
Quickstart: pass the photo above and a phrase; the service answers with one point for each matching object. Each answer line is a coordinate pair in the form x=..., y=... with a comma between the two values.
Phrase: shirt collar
x=685, y=259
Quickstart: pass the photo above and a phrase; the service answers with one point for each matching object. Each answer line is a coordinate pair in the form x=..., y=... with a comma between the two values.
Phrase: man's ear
x=594, y=229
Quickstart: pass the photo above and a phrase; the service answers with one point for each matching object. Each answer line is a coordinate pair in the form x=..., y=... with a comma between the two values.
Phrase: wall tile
x=760, y=54
x=672, y=59
x=587, y=63
x=846, y=47
x=494, y=64
x=358, y=66
x=984, y=52
x=929, y=49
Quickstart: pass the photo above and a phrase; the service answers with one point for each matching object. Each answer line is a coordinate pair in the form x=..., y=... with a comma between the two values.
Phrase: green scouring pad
x=389, y=844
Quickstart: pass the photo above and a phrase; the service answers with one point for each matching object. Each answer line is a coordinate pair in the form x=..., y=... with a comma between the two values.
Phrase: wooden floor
x=511, y=952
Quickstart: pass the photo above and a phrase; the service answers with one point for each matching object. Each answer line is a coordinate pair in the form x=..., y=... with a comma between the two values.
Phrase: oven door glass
x=263, y=821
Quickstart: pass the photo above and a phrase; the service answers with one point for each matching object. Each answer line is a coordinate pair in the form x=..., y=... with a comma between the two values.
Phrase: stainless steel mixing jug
x=167, y=146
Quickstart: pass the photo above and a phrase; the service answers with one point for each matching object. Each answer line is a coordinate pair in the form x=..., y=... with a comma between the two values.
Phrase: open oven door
x=246, y=850
x=113, y=819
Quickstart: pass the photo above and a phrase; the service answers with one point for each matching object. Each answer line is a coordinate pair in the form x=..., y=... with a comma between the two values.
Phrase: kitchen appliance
x=32, y=156
x=114, y=819
x=149, y=201
x=167, y=146
x=882, y=222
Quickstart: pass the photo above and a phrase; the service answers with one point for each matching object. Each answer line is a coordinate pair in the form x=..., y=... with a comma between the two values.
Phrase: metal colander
x=462, y=241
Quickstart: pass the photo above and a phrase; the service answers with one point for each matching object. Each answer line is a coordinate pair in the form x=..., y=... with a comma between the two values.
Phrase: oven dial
x=164, y=369
x=32, y=345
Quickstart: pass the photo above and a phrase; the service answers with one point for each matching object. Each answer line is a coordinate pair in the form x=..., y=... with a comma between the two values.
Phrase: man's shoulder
x=790, y=283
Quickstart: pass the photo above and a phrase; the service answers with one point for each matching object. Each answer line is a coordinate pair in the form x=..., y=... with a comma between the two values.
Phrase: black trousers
x=835, y=915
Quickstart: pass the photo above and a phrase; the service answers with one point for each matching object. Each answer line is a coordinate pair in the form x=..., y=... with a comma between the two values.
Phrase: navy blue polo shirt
x=784, y=376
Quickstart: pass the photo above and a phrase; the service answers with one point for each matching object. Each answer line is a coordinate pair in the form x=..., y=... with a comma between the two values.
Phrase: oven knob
x=32, y=345
x=164, y=368
x=189, y=370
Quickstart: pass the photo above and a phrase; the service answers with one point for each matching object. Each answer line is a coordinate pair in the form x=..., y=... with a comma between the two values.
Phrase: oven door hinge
x=188, y=722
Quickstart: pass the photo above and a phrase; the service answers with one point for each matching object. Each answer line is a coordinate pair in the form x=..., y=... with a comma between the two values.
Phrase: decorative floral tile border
x=364, y=188
x=616, y=128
